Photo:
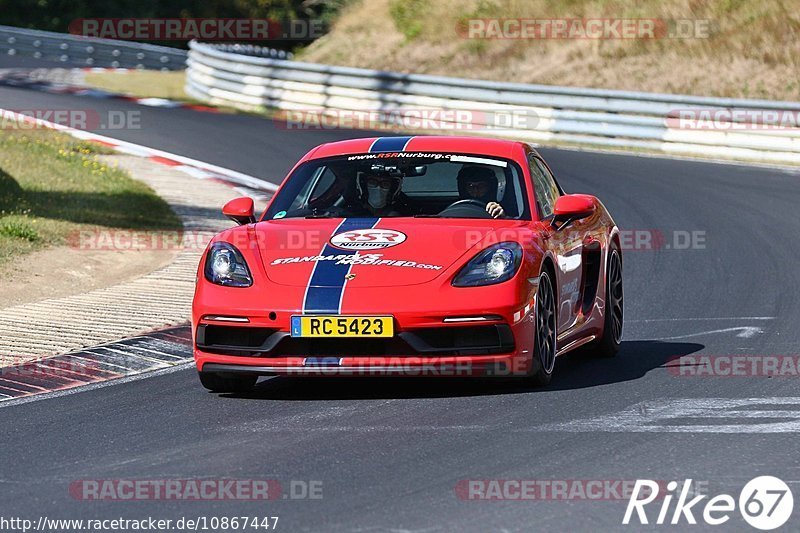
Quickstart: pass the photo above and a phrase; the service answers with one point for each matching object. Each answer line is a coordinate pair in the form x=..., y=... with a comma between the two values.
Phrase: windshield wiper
x=426, y=216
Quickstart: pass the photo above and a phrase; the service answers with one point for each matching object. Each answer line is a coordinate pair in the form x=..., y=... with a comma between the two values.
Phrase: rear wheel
x=227, y=382
x=545, y=341
x=608, y=344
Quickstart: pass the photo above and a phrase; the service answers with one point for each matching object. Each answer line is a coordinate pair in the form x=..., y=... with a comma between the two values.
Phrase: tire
x=608, y=344
x=544, y=342
x=227, y=382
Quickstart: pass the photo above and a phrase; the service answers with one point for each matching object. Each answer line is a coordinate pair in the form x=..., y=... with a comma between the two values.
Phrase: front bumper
x=360, y=367
x=477, y=339
x=439, y=331
x=490, y=348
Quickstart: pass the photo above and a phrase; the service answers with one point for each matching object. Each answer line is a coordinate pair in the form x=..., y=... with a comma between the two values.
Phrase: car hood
x=369, y=252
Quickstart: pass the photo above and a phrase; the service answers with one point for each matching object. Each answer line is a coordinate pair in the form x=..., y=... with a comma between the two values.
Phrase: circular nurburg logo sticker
x=367, y=239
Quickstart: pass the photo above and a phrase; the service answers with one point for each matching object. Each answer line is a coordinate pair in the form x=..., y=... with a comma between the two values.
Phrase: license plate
x=342, y=326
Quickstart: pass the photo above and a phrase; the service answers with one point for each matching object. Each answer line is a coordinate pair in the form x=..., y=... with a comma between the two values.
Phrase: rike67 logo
x=765, y=503
x=367, y=239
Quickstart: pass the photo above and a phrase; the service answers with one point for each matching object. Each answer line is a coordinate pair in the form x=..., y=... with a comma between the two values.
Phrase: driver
x=379, y=194
x=480, y=183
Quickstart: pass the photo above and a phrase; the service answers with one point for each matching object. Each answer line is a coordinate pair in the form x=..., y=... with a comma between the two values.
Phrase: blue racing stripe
x=390, y=144
x=324, y=292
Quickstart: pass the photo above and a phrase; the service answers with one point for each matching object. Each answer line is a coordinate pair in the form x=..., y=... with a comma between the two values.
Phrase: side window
x=550, y=181
x=545, y=197
x=319, y=183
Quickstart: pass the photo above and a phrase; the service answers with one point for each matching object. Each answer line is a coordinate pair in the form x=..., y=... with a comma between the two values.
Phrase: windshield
x=413, y=185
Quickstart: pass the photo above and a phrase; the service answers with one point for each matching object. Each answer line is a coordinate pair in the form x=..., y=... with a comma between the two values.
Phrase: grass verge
x=155, y=84
x=52, y=185
x=141, y=83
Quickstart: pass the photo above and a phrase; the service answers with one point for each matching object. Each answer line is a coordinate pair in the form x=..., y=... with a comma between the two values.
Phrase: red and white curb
x=170, y=348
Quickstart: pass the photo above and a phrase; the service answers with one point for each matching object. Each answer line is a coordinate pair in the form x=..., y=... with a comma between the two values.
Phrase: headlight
x=226, y=266
x=495, y=264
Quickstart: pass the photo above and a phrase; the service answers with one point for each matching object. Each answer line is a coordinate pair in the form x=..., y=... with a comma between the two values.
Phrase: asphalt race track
x=390, y=453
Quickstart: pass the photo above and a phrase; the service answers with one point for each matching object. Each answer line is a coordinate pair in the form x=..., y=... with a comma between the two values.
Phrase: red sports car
x=414, y=256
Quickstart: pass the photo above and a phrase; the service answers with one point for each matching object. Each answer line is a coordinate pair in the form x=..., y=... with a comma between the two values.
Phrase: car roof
x=420, y=143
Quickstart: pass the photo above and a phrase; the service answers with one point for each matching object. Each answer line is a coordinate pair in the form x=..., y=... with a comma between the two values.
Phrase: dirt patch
x=64, y=271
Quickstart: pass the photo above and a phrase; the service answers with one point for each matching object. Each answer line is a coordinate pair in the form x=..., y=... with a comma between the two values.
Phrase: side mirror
x=573, y=206
x=240, y=210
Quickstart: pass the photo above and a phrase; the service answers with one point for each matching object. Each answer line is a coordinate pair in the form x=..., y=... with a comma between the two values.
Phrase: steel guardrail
x=90, y=52
x=756, y=129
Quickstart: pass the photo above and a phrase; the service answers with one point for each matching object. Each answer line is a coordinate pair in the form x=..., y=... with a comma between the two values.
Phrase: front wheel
x=544, y=355
x=608, y=344
x=227, y=382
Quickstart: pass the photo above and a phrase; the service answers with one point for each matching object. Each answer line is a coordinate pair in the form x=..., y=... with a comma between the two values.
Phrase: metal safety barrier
x=752, y=130
x=78, y=51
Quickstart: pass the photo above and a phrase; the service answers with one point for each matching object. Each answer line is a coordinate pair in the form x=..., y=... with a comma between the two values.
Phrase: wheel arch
x=615, y=241
x=548, y=265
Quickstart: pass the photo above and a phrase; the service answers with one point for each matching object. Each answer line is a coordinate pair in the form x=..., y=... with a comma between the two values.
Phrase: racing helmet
x=371, y=189
x=472, y=173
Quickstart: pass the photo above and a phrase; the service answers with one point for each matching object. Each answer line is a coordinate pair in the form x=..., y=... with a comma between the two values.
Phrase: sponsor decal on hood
x=354, y=259
x=367, y=239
